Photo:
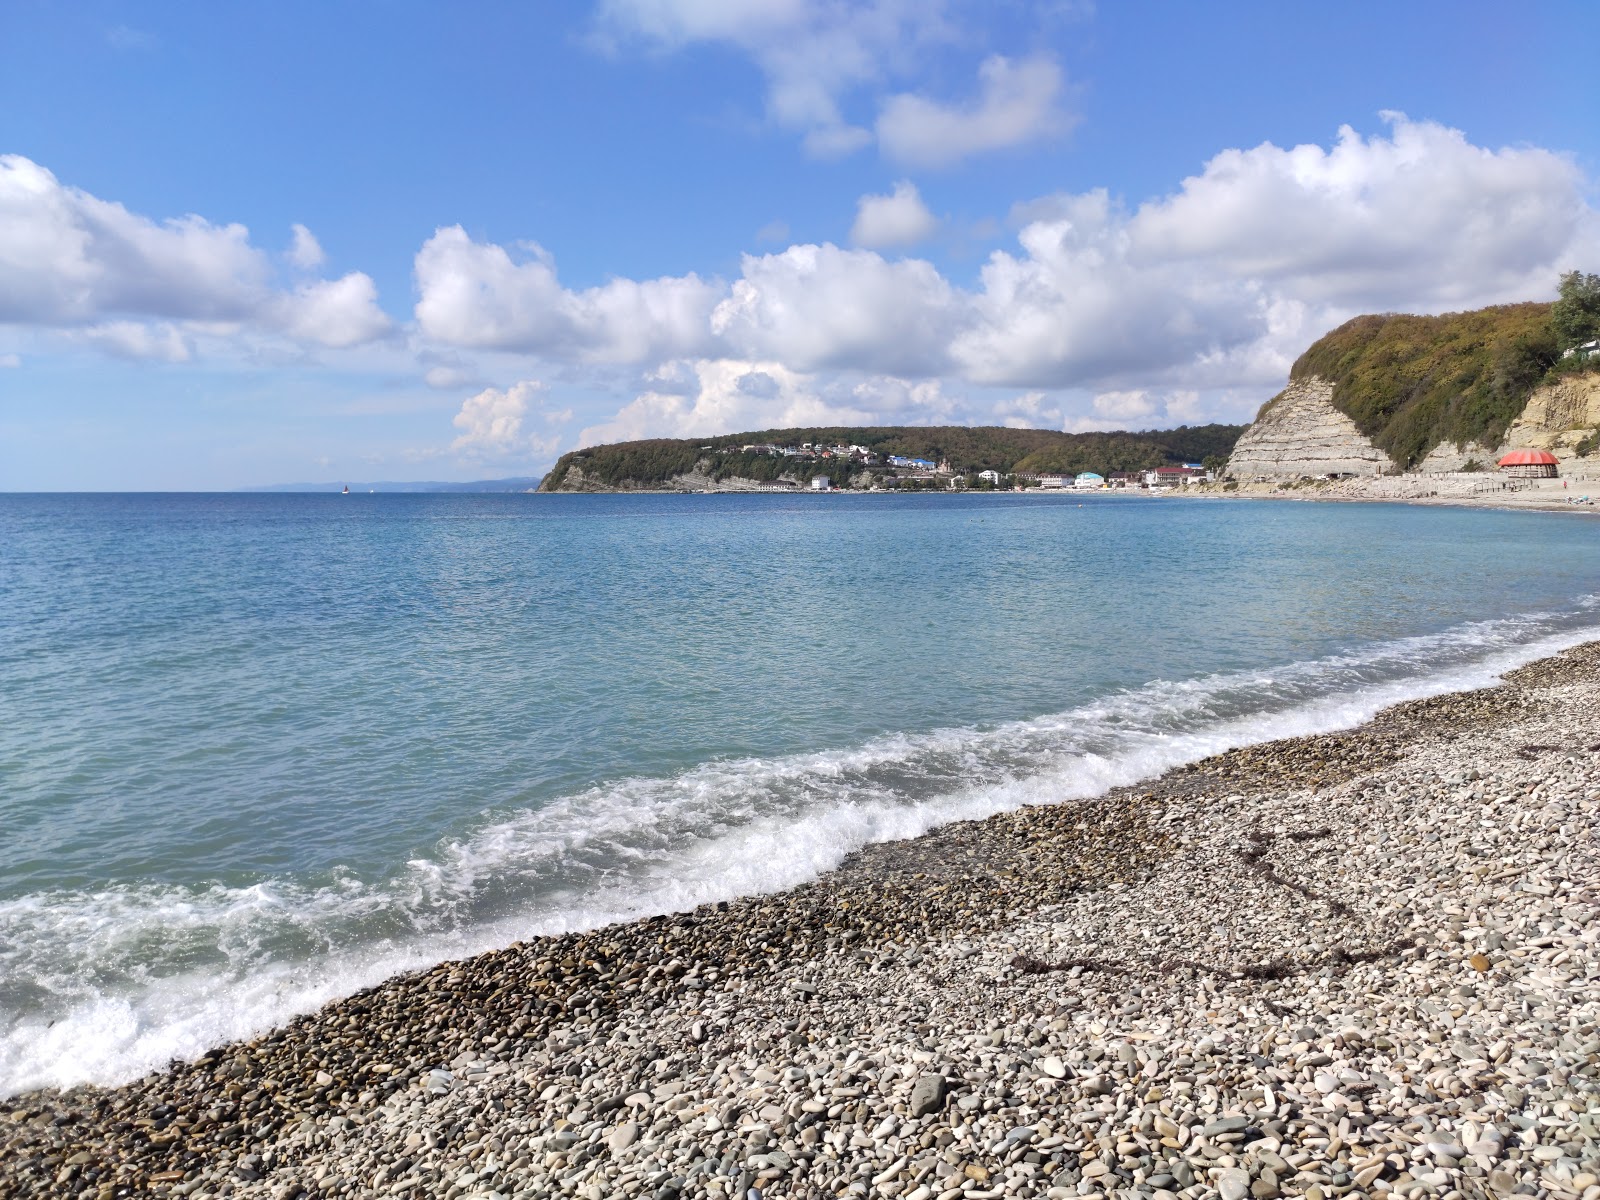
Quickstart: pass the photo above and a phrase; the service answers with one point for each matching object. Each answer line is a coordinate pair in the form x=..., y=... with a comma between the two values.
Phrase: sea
x=261, y=751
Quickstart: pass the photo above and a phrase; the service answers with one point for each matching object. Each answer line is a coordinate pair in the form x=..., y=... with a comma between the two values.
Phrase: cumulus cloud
x=477, y=294
x=72, y=260
x=1018, y=102
x=335, y=312
x=705, y=396
x=1421, y=214
x=813, y=307
x=898, y=219
x=1226, y=279
x=812, y=53
x=1217, y=285
x=491, y=424
x=305, y=251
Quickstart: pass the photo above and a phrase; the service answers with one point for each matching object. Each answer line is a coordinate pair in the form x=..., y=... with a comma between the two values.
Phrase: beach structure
x=1054, y=479
x=1530, y=464
x=1086, y=480
x=821, y=483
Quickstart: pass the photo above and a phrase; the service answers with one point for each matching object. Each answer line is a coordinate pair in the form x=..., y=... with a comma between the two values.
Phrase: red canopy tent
x=1530, y=464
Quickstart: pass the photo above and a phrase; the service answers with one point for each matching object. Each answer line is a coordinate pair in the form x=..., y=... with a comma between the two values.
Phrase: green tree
x=1576, y=316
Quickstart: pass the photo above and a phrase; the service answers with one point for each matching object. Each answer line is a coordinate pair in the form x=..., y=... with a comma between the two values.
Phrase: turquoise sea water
x=260, y=751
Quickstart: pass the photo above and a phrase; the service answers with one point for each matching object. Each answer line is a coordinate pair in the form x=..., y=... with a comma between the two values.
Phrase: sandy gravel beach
x=1351, y=965
x=1579, y=495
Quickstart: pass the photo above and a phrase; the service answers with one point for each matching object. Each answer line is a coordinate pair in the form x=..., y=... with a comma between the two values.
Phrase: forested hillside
x=653, y=462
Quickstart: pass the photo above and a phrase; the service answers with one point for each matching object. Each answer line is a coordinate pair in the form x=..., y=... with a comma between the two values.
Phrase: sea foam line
x=88, y=999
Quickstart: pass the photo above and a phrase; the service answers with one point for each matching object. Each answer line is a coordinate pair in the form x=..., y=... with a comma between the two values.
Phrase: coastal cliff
x=1392, y=393
x=1300, y=432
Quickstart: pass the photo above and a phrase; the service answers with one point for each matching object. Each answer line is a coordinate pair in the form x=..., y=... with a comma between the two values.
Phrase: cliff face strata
x=1558, y=416
x=1301, y=433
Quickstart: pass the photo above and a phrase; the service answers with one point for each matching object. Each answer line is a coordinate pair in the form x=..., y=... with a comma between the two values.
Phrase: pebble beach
x=1358, y=964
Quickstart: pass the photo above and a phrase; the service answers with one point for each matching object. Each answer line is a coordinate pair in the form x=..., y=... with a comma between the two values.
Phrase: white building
x=821, y=483
x=990, y=477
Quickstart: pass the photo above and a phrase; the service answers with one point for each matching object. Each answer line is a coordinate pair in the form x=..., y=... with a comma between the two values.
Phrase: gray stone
x=927, y=1095
x=1233, y=1184
x=624, y=1136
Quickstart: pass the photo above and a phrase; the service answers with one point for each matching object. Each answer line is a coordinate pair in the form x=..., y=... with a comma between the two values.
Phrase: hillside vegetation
x=652, y=462
x=1410, y=383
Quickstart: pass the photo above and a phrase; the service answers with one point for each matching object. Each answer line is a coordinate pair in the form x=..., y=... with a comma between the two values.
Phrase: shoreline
x=1019, y=1005
x=1546, y=495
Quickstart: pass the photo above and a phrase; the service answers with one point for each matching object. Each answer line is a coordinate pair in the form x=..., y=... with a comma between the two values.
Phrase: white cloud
x=476, y=294
x=714, y=396
x=814, y=307
x=1421, y=216
x=491, y=424
x=136, y=340
x=10, y=360
x=898, y=219
x=448, y=375
x=1225, y=281
x=1218, y=285
x=705, y=396
x=813, y=53
x=335, y=312
x=1018, y=102
x=69, y=259
x=304, y=250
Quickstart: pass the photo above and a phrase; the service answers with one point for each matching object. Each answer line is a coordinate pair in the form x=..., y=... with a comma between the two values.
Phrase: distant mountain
x=520, y=483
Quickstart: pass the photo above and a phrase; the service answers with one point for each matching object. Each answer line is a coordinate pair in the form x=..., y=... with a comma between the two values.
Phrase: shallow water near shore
x=259, y=751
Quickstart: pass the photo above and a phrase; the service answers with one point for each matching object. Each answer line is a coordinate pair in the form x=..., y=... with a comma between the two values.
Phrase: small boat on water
x=346, y=491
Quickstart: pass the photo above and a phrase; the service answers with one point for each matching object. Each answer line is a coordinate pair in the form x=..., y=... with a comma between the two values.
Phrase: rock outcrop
x=1301, y=433
x=1446, y=459
x=1558, y=416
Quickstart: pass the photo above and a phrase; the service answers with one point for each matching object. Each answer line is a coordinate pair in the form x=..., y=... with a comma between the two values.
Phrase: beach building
x=990, y=477
x=1088, y=480
x=821, y=483
x=1054, y=479
x=1530, y=464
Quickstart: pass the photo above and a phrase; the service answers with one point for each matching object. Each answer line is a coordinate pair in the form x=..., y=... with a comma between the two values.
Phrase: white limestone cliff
x=1301, y=433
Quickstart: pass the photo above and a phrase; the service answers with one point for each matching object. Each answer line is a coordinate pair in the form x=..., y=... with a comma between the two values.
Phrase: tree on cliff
x=1576, y=316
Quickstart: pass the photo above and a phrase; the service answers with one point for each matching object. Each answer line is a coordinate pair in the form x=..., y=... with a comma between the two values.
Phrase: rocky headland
x=1300, y=432
x=1364, y=964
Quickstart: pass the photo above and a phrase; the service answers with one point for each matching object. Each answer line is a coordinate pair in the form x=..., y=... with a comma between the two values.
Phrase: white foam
x=103, y=986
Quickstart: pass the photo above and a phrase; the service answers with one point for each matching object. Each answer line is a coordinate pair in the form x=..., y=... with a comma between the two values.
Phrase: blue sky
x=249, y=244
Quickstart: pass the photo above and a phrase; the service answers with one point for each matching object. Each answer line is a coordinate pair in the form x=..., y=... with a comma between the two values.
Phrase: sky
x=382, y=240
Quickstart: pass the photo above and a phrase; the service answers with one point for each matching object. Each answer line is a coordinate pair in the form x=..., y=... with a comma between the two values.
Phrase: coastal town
x=886, y=472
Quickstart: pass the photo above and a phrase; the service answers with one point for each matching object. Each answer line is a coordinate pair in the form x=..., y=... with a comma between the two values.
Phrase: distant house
x=1054, y=479
x=1088, y=481
x=990, y=477
x=1586, y=351
x=921, y=464
x=1174, y=476
x=821, y=483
